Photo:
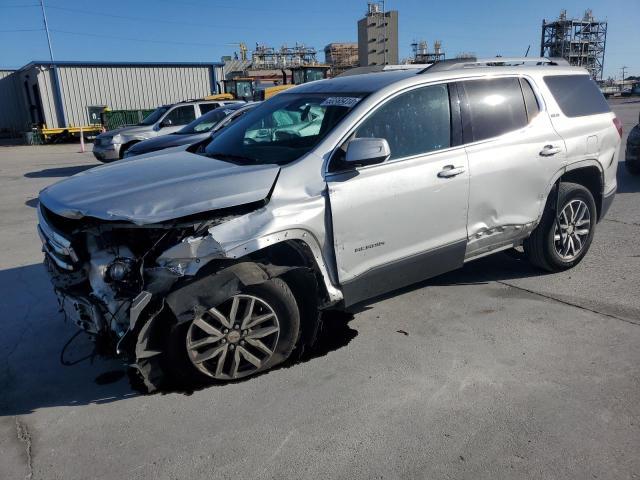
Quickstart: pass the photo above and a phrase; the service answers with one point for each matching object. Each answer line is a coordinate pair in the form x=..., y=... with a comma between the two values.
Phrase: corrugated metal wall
x=121, y=87
x=13, y=113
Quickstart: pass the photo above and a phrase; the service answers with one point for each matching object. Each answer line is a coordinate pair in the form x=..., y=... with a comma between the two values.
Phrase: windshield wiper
x=232, y=157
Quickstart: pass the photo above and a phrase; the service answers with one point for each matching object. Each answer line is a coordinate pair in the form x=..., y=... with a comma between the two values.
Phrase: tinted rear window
x=496, y=106
x=577, y=95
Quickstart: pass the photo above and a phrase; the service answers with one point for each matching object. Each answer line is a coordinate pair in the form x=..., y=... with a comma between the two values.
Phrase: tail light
x=618, y=125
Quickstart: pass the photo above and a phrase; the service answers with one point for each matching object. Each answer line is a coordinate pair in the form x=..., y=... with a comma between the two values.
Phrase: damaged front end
x=112, y=278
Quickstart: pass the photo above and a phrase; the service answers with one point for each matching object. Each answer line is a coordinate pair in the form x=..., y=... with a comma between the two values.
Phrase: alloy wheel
x=235, y=339
x=572, y=230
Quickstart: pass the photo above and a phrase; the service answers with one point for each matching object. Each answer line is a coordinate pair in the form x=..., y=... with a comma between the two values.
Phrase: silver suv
x=166, y=119
x=214, y=261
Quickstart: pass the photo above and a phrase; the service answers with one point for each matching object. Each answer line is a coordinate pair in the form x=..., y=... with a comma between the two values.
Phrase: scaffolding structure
x=266, y=58
x=341, y=56
x=580, y=42
x=421, y=53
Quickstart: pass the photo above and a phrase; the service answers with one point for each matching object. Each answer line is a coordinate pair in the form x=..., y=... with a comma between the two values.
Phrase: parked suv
x=632, y=152
x=214, y=263
x=112, y=145
x=198, y=130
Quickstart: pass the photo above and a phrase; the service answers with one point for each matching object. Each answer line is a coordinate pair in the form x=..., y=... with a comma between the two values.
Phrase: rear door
x=513, y=153
x=404, y=220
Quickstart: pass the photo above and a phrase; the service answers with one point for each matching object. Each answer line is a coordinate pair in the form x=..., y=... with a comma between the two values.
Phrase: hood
x=166, y=141
x=131, y=130
x=159, y=187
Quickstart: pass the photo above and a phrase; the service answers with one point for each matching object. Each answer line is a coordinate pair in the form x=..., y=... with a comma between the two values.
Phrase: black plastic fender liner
x=201, y=294
x=148, y=353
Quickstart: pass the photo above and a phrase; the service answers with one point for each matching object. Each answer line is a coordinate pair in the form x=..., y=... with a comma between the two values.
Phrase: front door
x=404, y=220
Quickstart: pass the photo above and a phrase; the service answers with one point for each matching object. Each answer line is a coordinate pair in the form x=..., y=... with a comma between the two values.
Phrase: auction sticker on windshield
x=340, y=102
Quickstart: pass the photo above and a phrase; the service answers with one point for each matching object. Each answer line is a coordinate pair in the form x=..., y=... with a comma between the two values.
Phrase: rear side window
x=577, y=95
x=207, y=107
x=415, y=122
x=496, y=106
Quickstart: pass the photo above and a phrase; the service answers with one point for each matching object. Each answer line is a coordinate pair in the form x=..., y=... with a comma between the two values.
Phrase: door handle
x=450, y=171
x=549, y=150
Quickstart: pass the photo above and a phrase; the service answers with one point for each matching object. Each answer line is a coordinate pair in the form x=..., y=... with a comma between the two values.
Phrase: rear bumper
x=607, y=200
x=107, y=152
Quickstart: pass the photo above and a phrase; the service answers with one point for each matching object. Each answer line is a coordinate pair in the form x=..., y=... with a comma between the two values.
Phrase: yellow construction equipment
x=242, y=88
x=308, y=73
x=220, y=96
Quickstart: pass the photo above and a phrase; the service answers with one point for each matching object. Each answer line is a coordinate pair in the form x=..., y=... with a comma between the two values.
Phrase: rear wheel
x=561, y=242
x=248, y=333
x=633, y=167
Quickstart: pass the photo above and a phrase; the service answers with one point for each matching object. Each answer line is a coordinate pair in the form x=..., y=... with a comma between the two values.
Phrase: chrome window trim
x=539, y=98
x=534, y=86
x=365, y=117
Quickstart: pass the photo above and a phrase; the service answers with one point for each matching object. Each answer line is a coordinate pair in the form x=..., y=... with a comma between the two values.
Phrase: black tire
x=181, y=372
x=540, y=246
x=633, y=167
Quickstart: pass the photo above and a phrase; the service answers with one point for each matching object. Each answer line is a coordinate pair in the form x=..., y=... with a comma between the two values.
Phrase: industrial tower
x=580, y=42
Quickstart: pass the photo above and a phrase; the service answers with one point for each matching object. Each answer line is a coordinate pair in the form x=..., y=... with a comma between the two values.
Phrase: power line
x=131, y=39
x=244, y=10
x=143, y=19
x=168, y=22
x=22, y=30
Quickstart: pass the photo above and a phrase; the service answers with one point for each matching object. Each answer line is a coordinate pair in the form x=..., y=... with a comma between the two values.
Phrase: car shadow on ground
x=627, y=183
x=58, y=172
x=44, y=364
x=502, y=266
x=32, y=375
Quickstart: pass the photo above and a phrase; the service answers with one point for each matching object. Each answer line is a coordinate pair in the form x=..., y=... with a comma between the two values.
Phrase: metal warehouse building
x=58, y=95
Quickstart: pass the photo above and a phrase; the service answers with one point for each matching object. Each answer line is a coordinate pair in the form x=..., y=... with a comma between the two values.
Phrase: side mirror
x=166, y=123
x=367, y=151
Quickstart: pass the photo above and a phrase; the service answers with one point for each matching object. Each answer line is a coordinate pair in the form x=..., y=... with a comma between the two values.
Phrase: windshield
x=154, y=116
x=207, y=121
x=282, y=129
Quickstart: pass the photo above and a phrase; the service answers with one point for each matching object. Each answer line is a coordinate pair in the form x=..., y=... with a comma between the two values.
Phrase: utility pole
x=623, y=69
x=62, y=122
x=46, y=28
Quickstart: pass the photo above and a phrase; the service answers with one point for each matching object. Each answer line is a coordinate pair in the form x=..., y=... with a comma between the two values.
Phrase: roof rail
x=381, y=68
x=456, y=63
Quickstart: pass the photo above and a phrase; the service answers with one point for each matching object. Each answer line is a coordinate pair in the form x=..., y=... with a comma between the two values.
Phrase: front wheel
x=250, y=332
x=563, y=238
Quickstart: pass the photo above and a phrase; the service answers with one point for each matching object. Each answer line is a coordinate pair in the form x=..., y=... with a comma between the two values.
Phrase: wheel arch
x=590, y=176
x=127, y=145
x=302, y=247
x=588, y=173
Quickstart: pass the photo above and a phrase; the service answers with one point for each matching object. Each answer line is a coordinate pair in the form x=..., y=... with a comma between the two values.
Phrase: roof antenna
x=526, y=54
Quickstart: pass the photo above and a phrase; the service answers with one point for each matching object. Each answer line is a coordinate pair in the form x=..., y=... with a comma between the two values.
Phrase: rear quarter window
x=577, y=95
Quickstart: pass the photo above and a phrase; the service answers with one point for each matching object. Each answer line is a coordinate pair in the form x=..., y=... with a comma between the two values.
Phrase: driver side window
x=415, y=122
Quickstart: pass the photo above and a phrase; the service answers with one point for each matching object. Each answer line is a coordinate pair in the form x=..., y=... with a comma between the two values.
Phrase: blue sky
x=201, y=30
